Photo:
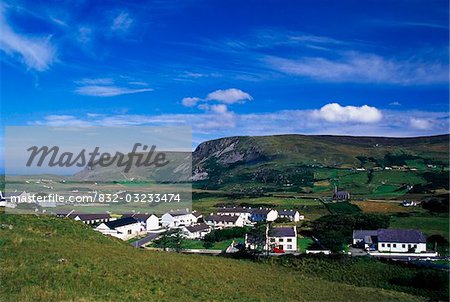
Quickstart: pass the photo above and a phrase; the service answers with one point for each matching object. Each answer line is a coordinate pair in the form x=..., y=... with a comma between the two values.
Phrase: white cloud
x=334, y=112
x=229, y=96
x=190, y=101
x=219, y=108
x=122, y=22
x=395, y=103
x=209, y=125
x=36, y=53
x=107, y=91
x=362, y=68
x=106, y=87
x=420, y=124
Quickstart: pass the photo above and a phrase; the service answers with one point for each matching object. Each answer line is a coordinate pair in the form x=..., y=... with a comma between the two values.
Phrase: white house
x=244, y=212
x=263, y=214
x=224, y=221
x=197, y=231
x=391, y=240
x=179, y=218
x=89, y=218
x=284, y=239
x=123, y=228
x=292, y=215
x=402, y=241
x=150, y=221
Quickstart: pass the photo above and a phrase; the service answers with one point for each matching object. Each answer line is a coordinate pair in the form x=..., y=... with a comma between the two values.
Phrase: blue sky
x=228, y=67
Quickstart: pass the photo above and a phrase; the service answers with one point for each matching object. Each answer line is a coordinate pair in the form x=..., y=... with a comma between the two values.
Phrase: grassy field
x=372, y=206
x=429, y=225
x=221, y=245
x=310, y=207
x=50, y=259
x=303, y=243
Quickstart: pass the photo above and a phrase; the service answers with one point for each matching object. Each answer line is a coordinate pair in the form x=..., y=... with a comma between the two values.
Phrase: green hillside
x=50, y=259
x=369, y=166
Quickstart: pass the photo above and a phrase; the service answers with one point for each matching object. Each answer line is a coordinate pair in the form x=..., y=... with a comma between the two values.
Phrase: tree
x=334, y=231
x=172, y=239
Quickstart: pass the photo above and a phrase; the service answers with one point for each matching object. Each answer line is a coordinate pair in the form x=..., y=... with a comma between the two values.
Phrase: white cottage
x=284, y=239
x=123, y=228
x=244, y=212
x=174, y=219
x=402, y=241
x=292, y=215
x=197, y=231
x=263, y=214
x=224, y=221
x=150, y=221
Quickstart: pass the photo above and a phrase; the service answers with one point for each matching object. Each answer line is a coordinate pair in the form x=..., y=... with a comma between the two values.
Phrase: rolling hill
x=51, y=259
x=304, y=163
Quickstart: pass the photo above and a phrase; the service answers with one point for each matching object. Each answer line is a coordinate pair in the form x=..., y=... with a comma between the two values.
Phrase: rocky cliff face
x=211, y=155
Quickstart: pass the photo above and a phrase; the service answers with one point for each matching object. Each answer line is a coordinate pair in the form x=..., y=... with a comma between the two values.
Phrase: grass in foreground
x=50, y=259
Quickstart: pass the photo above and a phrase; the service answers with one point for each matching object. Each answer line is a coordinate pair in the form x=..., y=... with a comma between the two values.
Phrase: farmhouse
x=283, y=239
x=123, y=228
x=89, y=218
x=197, y=231
x=179, y=218
x=401, y=241
x=292, y=215
x=263, y=214
x=244, y=212
x=390, y=240
x=224, y=221
x=150, y=221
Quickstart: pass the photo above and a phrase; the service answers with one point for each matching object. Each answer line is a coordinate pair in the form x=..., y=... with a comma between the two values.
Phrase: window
x=403, y=245
x=415, y=245
x=409, y=246
x=272, y=239
x=394, y=245
x=388, y=245
x=289, y=247
x=281, y=240
x=289, y=240
x=382, y=245
x=129, y=232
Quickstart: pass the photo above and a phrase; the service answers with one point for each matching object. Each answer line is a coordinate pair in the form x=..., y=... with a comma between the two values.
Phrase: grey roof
x=287, y=212
x=89, y=216
x=361, y=234
x=259, y=211
x=180, y=212
x=197, y=228
x=196, y=214
x=282, y=232
x=141, y=217
x=402, y=236
x=234, y=210
x=120, y=222
x=221, y=218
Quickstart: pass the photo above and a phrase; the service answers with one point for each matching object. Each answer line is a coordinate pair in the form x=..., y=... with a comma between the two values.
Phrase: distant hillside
x=51, y=259
x=293, y=160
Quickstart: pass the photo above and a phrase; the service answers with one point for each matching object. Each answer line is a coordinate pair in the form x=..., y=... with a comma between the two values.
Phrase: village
x=258, y=229
x=278, y=233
